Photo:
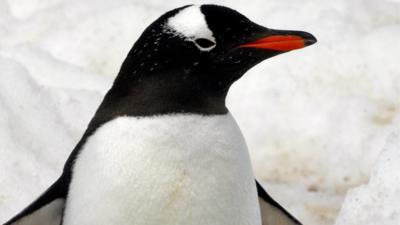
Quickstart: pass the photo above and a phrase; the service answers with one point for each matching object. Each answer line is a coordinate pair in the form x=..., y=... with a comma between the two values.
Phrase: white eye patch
x=190, y=23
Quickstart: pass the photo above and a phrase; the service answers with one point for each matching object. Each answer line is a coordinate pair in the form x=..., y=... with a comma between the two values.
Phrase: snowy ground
x=321, y=120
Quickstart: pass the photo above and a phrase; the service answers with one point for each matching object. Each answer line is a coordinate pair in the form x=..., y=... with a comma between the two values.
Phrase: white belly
x=164, y=170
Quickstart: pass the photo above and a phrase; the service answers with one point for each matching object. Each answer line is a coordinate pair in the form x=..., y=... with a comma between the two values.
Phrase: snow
x=316, y=120
x=377, y=201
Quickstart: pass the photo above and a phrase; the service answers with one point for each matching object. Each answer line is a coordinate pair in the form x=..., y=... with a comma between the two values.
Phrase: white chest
x=170, y=170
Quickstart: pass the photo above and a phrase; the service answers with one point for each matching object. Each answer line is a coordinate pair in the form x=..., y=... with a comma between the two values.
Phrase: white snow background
x=320, y=122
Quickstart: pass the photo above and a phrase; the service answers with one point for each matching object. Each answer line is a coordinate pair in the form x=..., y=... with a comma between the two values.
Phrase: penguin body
x=172, y=169
x=162, y=147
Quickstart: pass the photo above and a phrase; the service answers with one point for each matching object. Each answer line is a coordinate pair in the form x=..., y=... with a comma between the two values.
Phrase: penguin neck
x=154, y=95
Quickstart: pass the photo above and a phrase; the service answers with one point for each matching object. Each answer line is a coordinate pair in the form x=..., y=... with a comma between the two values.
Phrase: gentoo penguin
x=162, y=147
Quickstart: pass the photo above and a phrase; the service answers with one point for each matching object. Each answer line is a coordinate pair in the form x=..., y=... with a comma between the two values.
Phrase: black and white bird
x=162, y=147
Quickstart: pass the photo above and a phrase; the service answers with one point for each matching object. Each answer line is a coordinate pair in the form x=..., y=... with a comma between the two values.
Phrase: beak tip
x=309, y=40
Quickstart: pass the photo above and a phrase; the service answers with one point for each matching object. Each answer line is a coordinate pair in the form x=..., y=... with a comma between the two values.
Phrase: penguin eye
x=204, y=43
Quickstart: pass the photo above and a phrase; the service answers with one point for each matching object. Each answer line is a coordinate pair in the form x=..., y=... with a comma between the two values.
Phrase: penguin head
x=195, y=50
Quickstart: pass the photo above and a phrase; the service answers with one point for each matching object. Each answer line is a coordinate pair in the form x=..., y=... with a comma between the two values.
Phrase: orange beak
x=282, y=43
